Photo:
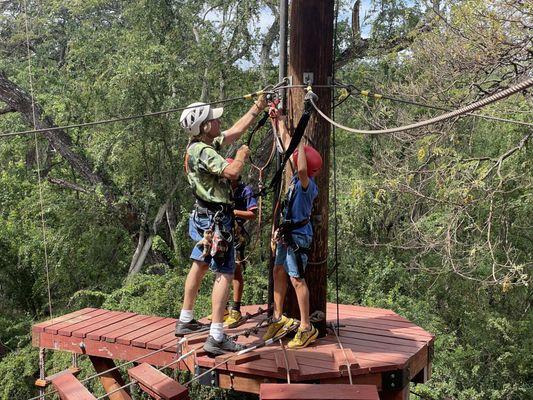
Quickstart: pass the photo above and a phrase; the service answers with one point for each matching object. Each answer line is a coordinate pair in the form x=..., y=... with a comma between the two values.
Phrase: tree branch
x=17, y=98
x=68, y=185
x=7, y=110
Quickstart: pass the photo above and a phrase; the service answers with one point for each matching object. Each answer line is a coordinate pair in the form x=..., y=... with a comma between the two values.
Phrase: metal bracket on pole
x=290, y=80
x=308, y=78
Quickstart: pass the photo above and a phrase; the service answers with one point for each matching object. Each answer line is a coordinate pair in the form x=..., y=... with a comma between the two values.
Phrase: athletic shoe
x=226, y=314
x=303, y=338
x=233, y=317
x=276, y=326
x=184, y=328
x=226, y=345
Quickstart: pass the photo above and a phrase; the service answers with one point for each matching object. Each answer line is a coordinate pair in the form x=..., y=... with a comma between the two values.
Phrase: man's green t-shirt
x=204, y=172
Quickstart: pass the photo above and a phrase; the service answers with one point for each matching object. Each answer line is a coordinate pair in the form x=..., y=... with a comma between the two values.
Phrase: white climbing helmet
x=197, y=113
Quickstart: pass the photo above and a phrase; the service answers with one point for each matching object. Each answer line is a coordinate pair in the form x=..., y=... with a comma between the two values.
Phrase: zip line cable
x=37, y=159
x=378, y=96
x=130, y=117
x=232, y=99
x=452, y=114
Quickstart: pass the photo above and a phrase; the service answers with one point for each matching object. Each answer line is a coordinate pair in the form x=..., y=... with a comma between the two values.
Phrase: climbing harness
x=309, y=100
x=283, y=235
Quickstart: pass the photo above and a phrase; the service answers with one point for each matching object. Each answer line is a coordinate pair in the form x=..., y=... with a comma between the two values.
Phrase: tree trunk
x=16, y=98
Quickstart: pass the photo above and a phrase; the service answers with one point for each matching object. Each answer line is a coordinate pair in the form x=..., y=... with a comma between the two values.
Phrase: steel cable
x=452, y=114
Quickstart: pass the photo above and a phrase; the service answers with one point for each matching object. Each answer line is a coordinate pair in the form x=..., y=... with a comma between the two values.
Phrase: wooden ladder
x=157, y=384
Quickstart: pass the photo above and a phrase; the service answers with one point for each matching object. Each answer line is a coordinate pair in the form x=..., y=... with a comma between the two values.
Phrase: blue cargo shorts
x=285, y=254
x=198, y=223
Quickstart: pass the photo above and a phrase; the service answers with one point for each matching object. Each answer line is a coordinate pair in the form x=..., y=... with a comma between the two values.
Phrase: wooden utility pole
x=311, y=56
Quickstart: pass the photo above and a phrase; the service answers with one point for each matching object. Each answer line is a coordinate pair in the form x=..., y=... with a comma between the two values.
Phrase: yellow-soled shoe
x=303, y=338
x=275, y=327
x=234, y=316
x=226, y=314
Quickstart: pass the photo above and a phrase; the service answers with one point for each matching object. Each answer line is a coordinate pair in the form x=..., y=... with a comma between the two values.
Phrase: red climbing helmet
x=314, y=160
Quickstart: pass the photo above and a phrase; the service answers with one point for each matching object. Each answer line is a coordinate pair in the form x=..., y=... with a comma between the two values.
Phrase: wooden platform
x=383, y=348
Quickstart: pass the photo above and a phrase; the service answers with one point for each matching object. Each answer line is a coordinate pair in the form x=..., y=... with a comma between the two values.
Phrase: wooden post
x=311, y=51
x=110, y=380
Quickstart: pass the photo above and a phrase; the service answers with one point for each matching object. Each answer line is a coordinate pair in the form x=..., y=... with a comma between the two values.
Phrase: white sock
x=186, y=316
x=217, y=331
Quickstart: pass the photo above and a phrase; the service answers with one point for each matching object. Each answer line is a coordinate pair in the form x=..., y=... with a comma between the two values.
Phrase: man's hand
x=261, y=102
x=243, y=153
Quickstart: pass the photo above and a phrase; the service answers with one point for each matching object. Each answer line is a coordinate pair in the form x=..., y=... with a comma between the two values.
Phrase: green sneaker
x=303, y=338
x=276, y=326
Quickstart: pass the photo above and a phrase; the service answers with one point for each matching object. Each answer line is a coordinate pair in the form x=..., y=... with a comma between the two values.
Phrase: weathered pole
x=283, y=28
x=311, y=56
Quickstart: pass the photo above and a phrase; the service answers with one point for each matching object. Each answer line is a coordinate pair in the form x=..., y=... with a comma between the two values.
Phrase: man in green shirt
x=211, y=222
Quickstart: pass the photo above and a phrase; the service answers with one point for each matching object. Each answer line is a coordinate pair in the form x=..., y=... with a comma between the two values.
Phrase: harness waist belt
x=205, y=207
x=289, y=226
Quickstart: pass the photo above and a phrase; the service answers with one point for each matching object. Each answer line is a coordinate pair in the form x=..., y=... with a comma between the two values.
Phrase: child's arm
x=248, y=215
x=302, y=166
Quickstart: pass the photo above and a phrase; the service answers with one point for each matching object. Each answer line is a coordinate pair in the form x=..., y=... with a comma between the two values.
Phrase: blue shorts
x=285, y=254
x=198, y=223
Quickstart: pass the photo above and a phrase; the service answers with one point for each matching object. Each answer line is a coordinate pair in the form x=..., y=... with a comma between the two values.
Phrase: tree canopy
x=434, y=223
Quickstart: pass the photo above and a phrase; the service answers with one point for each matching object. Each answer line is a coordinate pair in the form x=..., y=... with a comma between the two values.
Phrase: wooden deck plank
x=41, y=325
x=137, y=322
x=104, y=332
x=347, y=336
x=369, y=313
x=54, y=329
x=351, y=323
x=162, y=341
x=395, y=349
x=158, y=383
x=166, y=326
x=152, y=325
x=306, y=391
x=391, y=319
x=87, y=327
x=69, y=388
x=87, y=324
x=95, y=333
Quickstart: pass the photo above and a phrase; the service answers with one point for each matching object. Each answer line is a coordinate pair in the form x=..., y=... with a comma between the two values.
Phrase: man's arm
x=233, y=170
x=237, y=130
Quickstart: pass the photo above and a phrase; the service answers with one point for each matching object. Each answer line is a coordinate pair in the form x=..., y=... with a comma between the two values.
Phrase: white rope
x=37, y=159
x=452, y=114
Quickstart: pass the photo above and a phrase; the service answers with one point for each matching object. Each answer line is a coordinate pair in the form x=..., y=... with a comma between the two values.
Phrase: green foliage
x=19, y=370
x=434, y=224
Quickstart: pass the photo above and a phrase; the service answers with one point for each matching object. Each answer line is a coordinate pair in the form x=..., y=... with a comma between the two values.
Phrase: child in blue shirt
x=245, y=204
x=293, y=240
